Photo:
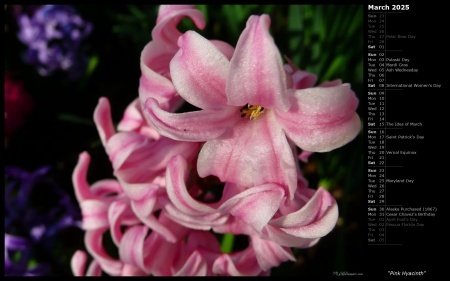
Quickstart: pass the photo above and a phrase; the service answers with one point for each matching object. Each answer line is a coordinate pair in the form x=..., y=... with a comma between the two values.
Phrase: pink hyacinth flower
x=258, y=210
x=255, y=205
x=253, y=150
x=197, y=253
x=159, y=257
x=301, y=79
x=192, y=254
x=156, y=55
x=311, y=215
x=78, y=265
x=104, y=207
x=256, y=260
x=139, y=162
x=134, y=121
x=137, y=157
x=155, y=78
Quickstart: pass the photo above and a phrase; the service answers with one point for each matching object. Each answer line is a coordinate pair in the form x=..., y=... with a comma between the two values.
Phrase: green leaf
x=16, y=256
x=267, y=9
x=136, y=12
x=32, y=263
x=295, y=25
x=325, y=183
x=93, y=62
x=337, y=63
x=75, y=119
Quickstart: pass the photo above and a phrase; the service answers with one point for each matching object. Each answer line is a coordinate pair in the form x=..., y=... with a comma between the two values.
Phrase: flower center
x=251, y=111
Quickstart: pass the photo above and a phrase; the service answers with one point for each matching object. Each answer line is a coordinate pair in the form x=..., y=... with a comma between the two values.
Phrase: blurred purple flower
x=36, y=210
x=34, y=204
x=18, y=253
x=54, y=35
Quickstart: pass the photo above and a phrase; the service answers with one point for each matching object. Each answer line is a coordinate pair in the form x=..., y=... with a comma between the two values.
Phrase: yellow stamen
x=251, y=111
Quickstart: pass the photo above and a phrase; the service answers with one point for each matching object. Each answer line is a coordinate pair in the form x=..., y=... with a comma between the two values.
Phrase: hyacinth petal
x=303, y=79
x=155, y=225
x=235, y=226
x=199, y=72
x=169, y=16
x=282, y=238
x=78, y=263
x=242, y=263
x=195, y=265
x=95, y=214
x=321, y=118
x=131, y=247
x=304, y=156
x=224, y=47
x=176, y=177
x=165, y=11
x=138, y=191
x=131, y=270
x=159, y=254
x=94, y=245
x=81, y=186
x=154, y=81
x=251, y=153
x=256, y=73
x=204, y=240
x=178, y=230
x=132, y=118
x=256, y=205
x=103, y=120
x=94, y=269
x=200, y=222
x=194, y=126
x=332, y=83
x=315, y=219
x=125, y=149
x=145, y=205
x=115, y=213
x=269, y=254
x=105, y=188
x=143, y=210
x=137, y=159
